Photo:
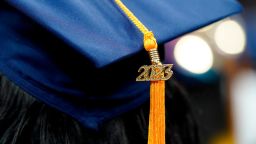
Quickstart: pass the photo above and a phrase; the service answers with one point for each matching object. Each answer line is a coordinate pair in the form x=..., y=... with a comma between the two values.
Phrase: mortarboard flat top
x=66, y=53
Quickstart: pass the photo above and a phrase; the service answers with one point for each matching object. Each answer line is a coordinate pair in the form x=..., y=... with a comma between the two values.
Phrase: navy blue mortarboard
x=81, y=57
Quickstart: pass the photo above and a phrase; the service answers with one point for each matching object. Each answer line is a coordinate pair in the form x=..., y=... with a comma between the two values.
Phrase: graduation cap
x=82, y=57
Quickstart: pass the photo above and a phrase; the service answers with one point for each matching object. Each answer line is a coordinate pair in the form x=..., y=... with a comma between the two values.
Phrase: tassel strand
x=156, y=132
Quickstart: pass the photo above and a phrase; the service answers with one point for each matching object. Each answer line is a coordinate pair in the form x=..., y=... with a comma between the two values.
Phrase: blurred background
x=217, y=67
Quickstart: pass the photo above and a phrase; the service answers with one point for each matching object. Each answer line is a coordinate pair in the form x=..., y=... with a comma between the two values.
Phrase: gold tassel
x=156, y=129
x=155, y=73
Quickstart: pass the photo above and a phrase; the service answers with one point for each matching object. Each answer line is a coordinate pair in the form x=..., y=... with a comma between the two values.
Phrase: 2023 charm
x=155, y=72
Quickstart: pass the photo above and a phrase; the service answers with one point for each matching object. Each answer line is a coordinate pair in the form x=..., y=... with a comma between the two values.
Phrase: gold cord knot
x=149, y=41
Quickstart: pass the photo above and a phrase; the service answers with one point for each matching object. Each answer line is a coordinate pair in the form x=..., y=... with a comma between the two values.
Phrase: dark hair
x=25, y=120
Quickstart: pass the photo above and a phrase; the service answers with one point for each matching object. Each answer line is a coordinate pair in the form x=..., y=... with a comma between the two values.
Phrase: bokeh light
x=244, y=98
x=193, y=54
x=230, y=37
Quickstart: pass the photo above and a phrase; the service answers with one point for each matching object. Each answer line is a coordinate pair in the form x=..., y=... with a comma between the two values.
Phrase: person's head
x=23, y=119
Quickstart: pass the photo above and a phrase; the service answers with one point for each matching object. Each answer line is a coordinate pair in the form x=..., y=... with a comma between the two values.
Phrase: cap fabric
x=81, y=57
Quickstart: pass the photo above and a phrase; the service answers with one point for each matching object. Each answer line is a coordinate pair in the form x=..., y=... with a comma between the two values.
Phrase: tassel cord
x=156, y=129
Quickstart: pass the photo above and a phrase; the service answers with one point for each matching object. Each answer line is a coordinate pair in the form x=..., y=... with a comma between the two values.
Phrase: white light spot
x=230, y=37
x=193, y=54
x=244, y=103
